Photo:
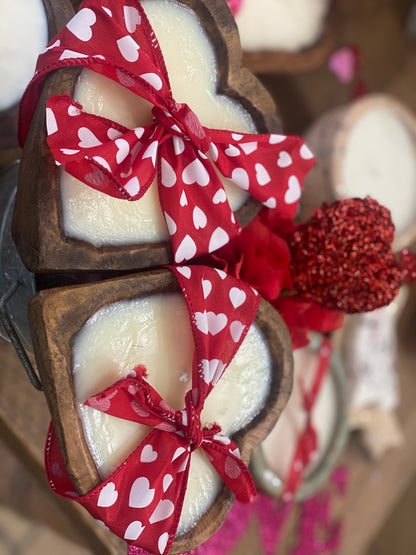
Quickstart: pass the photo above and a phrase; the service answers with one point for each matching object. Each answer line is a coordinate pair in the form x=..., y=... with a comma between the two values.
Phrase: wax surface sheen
x=283, y=25
x=191, y=63
x=293, y=419
x=380, y=161
x=155, y=331
x=23, y=35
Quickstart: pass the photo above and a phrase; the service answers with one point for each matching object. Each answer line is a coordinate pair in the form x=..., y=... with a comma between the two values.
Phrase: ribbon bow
x=142, y=500
x=119, y=42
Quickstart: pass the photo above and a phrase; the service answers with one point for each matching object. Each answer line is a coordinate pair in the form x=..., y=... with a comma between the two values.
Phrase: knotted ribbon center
x=193, y=432
x=133, y=398
x=183, y=122
x=189, y=422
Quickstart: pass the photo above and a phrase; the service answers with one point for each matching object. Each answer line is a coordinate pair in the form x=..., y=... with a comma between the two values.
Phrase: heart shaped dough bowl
x=86, y=337
x=74, y=227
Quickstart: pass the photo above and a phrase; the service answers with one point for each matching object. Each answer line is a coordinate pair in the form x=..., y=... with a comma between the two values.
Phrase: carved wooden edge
x=327, y=138
x=306, y=59
x=23, y=423
x=37, y=226
x=56, y=16
x=235, y=80
x=406, y=323
x=56, y=315
x=37, y=222
x=318, y=188
x=8, y=127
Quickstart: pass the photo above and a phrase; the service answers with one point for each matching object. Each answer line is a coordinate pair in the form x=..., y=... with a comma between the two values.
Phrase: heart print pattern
x=120, y=43
x=141, y=499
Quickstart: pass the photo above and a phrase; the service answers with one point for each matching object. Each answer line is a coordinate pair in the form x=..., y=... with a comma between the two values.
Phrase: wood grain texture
x=38, y=229
x=56, y=316
x=24, y=421
x=303, y=60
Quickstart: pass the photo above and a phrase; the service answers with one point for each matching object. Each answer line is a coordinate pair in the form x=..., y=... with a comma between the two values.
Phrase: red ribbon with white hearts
x=142, y=500
x=118, y=41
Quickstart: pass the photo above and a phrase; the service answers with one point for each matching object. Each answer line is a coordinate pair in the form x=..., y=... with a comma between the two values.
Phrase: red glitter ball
x=341, y=257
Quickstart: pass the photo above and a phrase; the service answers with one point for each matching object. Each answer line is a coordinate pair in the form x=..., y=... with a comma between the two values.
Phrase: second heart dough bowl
x=56, y=318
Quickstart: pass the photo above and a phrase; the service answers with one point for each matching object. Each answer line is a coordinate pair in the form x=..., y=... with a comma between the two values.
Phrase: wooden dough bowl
x=37, y=227
x=306, y=59
x=56, y=315
x=327, y=138
x=57, y=14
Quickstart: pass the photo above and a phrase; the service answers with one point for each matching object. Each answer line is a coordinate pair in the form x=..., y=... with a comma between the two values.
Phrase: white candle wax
x=280, y=25
x=155, y=331
x=280, y=445
x=23, y=34
x=380, y=161
x=191, y=63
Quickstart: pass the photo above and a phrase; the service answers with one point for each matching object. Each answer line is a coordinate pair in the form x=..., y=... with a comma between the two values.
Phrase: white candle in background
x=191, y=63
x=280, y=445
x=380, y=161
x=23, y=35
x=280, y=25
x=155, y=331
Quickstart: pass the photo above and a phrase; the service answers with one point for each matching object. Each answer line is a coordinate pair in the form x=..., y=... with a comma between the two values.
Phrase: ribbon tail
x=133, y=398
x=231, y=469
x=305, y=449
x=141, y=506
x=270, y=167
x=194, y=203
x=56, y=473
x=308, y=442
